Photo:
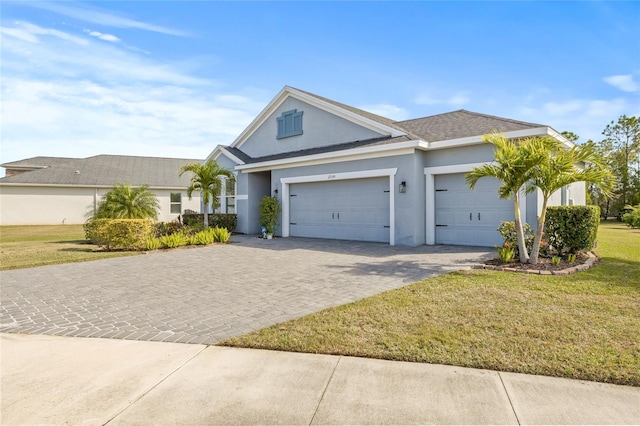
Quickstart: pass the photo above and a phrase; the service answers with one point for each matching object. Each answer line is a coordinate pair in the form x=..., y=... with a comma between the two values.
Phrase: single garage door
x=354, y=209
x=466, y=217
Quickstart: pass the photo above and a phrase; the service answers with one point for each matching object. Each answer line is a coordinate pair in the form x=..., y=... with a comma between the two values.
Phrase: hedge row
x=220, y=220
x=119, y=234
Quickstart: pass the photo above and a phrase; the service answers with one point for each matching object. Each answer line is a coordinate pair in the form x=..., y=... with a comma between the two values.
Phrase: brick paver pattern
x=207, y=294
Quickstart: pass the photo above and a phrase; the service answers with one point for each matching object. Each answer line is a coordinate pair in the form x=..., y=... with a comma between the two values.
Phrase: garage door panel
x=466, y=217
x=356, y=209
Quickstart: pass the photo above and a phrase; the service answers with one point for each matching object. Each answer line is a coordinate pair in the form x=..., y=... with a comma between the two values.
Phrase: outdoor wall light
x=275, y=192
x=403, y=187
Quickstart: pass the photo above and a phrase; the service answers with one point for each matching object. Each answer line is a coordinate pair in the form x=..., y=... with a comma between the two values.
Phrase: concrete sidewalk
x=62, y=380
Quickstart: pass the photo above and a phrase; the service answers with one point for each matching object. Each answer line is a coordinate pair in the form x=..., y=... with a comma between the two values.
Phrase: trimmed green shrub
x=269, y=209
x=221, y=220
x=572, y=228
x=119, y=234
x=177, y=239
x=508, y=232
x=220, y=235
x=93, y=229
x=632, y=218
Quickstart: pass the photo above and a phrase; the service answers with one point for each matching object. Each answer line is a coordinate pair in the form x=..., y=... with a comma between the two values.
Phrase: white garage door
x=465, y=217
x=354, y=209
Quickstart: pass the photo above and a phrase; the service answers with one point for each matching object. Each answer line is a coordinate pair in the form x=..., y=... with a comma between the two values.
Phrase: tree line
x=620, y=149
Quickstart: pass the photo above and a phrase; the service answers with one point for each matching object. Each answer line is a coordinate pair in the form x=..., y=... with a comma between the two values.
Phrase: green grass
x=29, y=246
x=584, y=326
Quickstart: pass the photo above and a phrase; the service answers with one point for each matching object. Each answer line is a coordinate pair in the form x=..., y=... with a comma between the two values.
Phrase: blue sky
x=177, y=78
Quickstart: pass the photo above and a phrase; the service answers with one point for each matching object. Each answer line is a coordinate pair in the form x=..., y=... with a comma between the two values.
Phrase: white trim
x=334, y=156
x=478, y=139
x=430, y=174
x=340, y=176
x=319, y=103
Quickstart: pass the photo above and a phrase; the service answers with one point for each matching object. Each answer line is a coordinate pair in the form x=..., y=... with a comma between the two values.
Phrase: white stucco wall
x=40, y=205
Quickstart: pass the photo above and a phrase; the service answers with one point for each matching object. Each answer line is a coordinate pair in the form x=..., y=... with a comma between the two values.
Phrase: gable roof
x=105, y=171
x=454, y=128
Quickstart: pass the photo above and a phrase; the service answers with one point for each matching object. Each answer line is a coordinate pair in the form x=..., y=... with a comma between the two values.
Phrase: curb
x=588, y=264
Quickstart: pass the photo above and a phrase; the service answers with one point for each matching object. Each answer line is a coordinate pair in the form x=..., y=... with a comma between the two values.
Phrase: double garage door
x=465, y=217
x=353, y=209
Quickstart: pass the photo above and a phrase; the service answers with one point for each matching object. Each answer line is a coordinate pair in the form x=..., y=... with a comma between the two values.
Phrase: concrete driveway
x=204, y=295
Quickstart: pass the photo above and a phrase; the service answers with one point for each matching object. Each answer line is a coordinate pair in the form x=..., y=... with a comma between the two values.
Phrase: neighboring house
x=53, y=190
x=344, y=173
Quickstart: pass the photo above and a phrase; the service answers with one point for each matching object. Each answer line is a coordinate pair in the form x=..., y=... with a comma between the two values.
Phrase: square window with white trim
x=176, y=202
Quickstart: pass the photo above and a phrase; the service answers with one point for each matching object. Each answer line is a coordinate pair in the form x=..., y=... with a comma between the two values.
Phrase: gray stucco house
x=344, y=173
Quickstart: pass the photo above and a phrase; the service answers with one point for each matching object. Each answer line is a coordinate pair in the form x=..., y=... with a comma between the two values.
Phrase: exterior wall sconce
x=275, y=192
x=403, y=187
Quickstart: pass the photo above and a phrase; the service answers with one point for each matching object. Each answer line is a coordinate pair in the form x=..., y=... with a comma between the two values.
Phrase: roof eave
x=381, y=150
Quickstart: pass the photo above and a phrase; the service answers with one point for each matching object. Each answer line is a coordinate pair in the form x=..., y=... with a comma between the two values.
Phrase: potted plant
x=269, y=214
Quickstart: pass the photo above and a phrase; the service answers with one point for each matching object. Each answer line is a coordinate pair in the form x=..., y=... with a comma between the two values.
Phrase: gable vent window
x=289, y=124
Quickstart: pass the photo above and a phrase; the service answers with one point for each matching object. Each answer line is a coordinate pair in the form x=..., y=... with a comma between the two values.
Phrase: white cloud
x=457, y=100
x=28, y=32
x=101, y=36
x=82, y=99
x=102, y=17
x=623, y=82
x=387, y=110
x=585, y=117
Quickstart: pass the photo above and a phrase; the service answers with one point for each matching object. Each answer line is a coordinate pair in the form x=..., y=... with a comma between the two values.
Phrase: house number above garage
x=289, y=124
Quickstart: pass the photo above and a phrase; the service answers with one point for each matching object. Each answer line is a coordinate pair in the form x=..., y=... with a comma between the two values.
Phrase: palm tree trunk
x=535, y=250
x=522, y=247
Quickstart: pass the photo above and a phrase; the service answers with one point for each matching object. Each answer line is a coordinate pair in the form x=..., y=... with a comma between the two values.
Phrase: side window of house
x=289, y=124
x=230, y=196
x=176, y=202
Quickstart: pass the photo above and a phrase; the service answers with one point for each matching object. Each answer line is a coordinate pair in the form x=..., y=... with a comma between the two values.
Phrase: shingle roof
x=38, y=162
x=460, y=124
x=107, y=170
x=450, y=125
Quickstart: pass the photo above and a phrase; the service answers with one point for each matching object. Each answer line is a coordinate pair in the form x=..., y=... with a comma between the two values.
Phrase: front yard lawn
x=28, y=246
x=583, y=326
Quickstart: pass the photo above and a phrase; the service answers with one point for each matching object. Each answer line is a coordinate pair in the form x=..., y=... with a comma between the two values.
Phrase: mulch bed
x=544, y=266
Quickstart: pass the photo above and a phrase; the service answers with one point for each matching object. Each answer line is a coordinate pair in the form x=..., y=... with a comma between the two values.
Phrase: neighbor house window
x=289, y=124
x=176, y=202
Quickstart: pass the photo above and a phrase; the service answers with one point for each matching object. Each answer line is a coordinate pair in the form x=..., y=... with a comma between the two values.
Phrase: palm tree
x=560, y=168
x=206, y=180
x=125, y=202
x=513, y=167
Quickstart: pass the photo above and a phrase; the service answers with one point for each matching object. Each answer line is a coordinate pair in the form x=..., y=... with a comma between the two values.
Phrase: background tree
x=207, y=180
x=622, y=148
x=126, y=202
x=512, y=166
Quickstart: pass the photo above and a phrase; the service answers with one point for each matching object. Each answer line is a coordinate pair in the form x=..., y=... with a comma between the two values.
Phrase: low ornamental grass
x=583, y=326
